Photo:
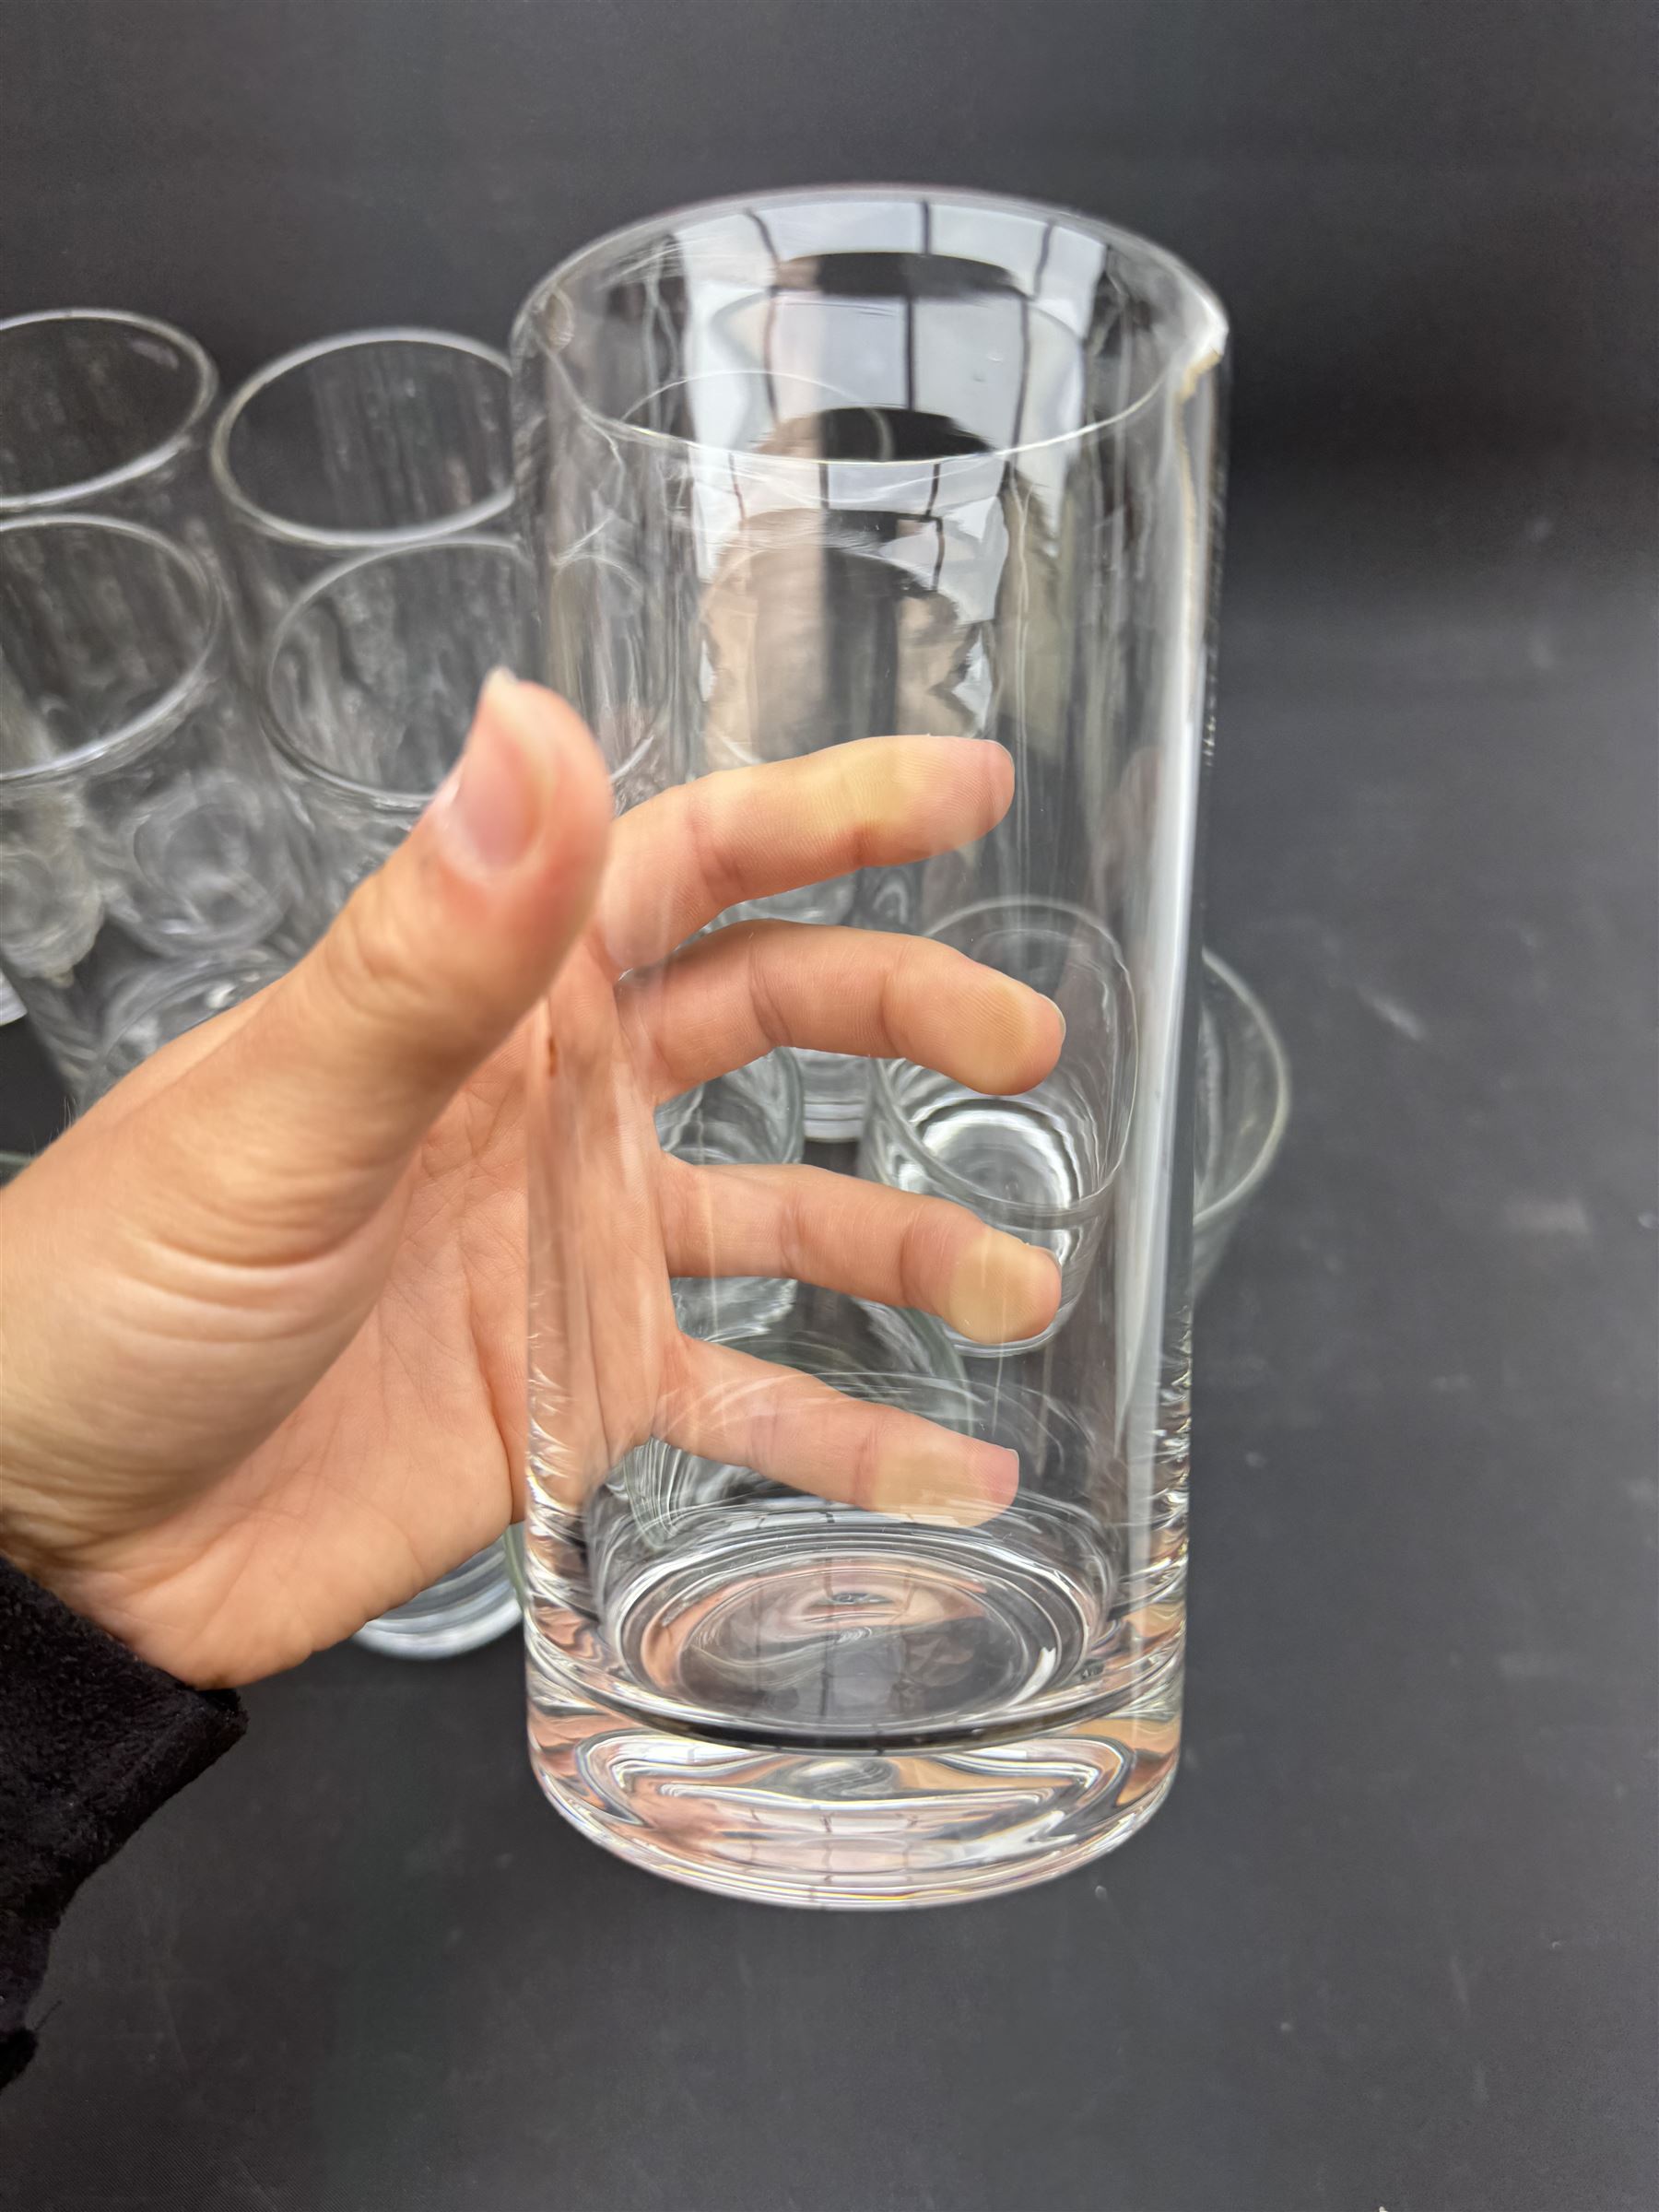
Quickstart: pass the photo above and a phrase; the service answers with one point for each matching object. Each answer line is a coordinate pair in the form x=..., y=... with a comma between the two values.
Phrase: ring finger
x=861, y=1238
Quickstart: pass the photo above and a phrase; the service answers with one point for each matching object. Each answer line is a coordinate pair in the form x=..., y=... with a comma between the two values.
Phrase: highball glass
x=369, y=686
x=802, y=468
x=106, y=413
x=356, y=445
x=140, y=821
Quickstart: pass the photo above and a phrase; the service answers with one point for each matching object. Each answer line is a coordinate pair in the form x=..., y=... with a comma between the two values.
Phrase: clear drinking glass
x=359, y=444
x=860, y=462
x=1243, y=1110
x=140, y=821
x=108, y=413
x=370, y=684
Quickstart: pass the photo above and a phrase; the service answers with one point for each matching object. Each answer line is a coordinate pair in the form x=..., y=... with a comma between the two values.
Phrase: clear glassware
x=1243, y=1110
x=754, y=1117
x=108, y=413
x=141, y=820
x=860, y=462
x=360, y=443
x=369, y=686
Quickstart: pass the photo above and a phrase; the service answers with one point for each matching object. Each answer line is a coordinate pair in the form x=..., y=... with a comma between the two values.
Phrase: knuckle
x=368, y=964
x=708, y=843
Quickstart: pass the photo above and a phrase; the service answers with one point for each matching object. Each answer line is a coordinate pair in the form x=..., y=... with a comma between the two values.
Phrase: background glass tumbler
x=863, y=461
x=1243, y=1110
x=106, y=413
x=359, y=444
x=369, y=687
x=140, y=819
x=370, y=684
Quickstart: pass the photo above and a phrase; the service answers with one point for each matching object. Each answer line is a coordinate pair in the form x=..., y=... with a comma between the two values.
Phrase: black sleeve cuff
x=93, y=1740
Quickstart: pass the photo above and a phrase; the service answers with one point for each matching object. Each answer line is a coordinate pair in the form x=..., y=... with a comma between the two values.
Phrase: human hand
x=262, y=1334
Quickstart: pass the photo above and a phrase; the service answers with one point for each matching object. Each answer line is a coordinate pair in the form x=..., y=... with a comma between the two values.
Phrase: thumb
x=322, y=1095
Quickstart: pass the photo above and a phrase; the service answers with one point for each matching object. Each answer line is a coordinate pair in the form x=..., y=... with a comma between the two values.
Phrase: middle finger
x=733, y=996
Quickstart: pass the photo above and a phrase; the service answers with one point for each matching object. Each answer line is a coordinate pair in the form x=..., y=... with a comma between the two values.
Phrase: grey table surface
x=1392, y=1942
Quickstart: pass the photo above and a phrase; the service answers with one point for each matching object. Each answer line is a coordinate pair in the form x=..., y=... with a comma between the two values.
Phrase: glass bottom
x=460, y=1612
x=763, y=1692
x=866, y=1830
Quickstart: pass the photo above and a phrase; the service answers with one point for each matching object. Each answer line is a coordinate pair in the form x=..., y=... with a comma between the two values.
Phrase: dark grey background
x=1431, y=219
x=1393, y=1942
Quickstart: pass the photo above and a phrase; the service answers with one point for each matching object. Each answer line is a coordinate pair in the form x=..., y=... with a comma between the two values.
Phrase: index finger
x=741, y=833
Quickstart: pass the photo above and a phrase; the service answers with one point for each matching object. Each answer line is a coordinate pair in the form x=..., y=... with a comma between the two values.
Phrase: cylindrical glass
x=857, y=463
x=369, y=683
x=140, y=821
x=1243, y=1110
x=359, y=444
x=369, y=686
x=106, y=413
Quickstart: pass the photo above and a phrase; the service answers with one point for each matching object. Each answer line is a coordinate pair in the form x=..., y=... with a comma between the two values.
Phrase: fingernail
x=956, y=1483
x=1003, y=1291
x=491, y=808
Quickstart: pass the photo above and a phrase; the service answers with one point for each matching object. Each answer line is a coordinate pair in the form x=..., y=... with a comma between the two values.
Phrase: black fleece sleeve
x=91, y=1741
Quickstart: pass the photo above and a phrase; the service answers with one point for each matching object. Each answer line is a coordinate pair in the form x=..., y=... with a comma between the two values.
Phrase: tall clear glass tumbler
x=369, y=684
x=854, y=462
x=360, y=443
x=144, y=842
x=367, y=688
x=106, y=413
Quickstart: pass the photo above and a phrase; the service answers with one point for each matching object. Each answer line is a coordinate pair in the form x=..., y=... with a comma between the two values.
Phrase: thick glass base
x=931, y=1825
x=763, y=1693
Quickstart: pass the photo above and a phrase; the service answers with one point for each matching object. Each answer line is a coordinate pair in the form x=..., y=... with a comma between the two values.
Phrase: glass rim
x=883, y=1098
x=247, y=510
x=163, y=712
x=1245, y=1185
x=553, y=290
x=381, y=795
x=24, y=505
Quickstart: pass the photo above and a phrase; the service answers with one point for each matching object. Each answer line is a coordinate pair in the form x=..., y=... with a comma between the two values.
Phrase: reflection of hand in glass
x=261, y=1309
